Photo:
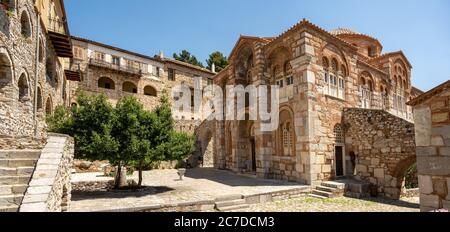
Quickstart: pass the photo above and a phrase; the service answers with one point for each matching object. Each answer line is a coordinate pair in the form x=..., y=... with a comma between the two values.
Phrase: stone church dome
x=344, y=31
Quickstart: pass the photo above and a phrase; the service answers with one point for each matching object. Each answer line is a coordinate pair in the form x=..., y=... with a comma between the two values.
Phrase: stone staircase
x=329, y=189
x=230, y=203
x=16, y=170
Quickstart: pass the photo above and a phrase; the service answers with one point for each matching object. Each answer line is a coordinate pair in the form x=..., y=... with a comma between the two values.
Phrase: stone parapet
x=49, y=189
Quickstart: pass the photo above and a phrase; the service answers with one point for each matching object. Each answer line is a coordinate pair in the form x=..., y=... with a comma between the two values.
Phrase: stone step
x=15, y=180
x=20, y=154
x=9, y=208
x=16, y=163
x=332, y=184
x=323, y=193
x=317, y=196
x=11, y=199
x=13, y=189
x=4, y=171
x=230, y=203
x=329, y=189
x=233, y=208
x=229, y=198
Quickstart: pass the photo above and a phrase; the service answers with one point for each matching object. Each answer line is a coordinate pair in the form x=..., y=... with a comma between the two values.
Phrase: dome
x=344, y=31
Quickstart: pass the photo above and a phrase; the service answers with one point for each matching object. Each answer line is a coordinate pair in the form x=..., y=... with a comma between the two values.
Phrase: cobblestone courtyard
x=308, y=204
x=208, y=184
x=198, y=185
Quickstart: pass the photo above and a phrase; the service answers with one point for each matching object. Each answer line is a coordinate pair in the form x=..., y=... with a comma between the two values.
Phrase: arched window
x=343, y=70
x=325, y=63
x=41, y=51
x=23, y=88
x=5, y=70
x=106, y=83
x=150, y=91
x=39, y=99
x=278, y=76
x=288, y=73
x=49, y=106
x=338, y=134
x=25, y=25
x=334, y=65
x=286, y=138
x=129, y=87
x=366, y=88
x=51, y=75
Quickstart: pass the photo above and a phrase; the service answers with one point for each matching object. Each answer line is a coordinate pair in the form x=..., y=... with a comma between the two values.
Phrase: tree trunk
x=121, y=177
x=140, y=169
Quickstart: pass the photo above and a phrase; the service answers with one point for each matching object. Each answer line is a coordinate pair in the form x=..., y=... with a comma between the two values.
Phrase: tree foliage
x=125, y=136
x=187, y=57
x=218, y=59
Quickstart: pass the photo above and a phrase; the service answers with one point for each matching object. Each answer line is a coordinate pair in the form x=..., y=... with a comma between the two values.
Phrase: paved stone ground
x=308, y=204
x=198, y=185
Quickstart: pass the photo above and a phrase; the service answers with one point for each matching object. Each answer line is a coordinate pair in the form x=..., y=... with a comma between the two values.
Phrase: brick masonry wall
x=384, y=146
x=433, y=151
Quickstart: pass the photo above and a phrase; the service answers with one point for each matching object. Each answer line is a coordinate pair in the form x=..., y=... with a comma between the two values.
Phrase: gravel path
x=308, y=204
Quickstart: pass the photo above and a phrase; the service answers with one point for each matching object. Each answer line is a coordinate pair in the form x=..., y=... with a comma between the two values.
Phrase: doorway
x=339, y=153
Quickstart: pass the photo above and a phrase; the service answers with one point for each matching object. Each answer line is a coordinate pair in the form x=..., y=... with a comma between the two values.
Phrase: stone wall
x=383, y=147
x=433, y=151
x=50, y=188
x=18, y=75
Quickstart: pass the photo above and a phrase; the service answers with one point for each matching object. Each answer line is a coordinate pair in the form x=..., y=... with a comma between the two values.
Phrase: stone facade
x=432, y=118
x=32, y=79
x=50, y=188
x=319, y=73
x=381, y=148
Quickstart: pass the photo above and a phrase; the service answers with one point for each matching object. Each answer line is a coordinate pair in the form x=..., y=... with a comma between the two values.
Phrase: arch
x=244, y=61
x=288, y=68
x=6, y=71
x=24, y=89
x=25, y=25
x=150, y=91
x=49, y=106
x=334, y=65
x=400, y=173
x=129, y=87
x=106, y=83
x=343, y=70
x=337, y=54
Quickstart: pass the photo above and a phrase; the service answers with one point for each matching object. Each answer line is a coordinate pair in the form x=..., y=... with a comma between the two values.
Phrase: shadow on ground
x=107, y=194
x=229, y=178
x=399, y=203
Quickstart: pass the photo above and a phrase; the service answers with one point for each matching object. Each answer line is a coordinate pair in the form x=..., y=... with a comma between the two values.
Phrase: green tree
x=186, y=57
x=218, y=59
x=60, y=121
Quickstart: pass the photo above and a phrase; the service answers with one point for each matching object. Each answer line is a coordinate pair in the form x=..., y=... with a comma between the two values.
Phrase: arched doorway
x=49, y=106
x=5, y=70
x=405, y=175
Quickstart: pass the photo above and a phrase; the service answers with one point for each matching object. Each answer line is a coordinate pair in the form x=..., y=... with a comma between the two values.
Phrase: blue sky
x=420, y=28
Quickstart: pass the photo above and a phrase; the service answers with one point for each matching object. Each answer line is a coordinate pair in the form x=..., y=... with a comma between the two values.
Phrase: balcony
x=115, y=67
x=73, y=73
x=60, y=37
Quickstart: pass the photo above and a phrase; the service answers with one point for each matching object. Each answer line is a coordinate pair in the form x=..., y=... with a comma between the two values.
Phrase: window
x=129, y=87
x=366, y=88
x=171, y=74
x=115, y=60
x=150, y=91
x=25, y=25
x=78, y=53
x=290, y=80
x=23, y=88
x=286, y=136
x=280, y=83
x=99, y=56
x=106, y=83
x=334, y=79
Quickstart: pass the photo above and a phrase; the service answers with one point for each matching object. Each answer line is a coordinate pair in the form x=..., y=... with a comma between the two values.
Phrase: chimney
x=213, y=68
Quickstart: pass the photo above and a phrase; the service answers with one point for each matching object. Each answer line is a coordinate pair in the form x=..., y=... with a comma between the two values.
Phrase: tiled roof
x=422, y=98
x=344, y=31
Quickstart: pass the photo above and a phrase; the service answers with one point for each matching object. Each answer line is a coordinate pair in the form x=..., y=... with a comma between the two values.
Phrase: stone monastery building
x=331, y=84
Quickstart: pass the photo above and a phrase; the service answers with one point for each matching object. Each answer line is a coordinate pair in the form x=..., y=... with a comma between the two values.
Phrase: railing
x=57, y=25
x=118, y=67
